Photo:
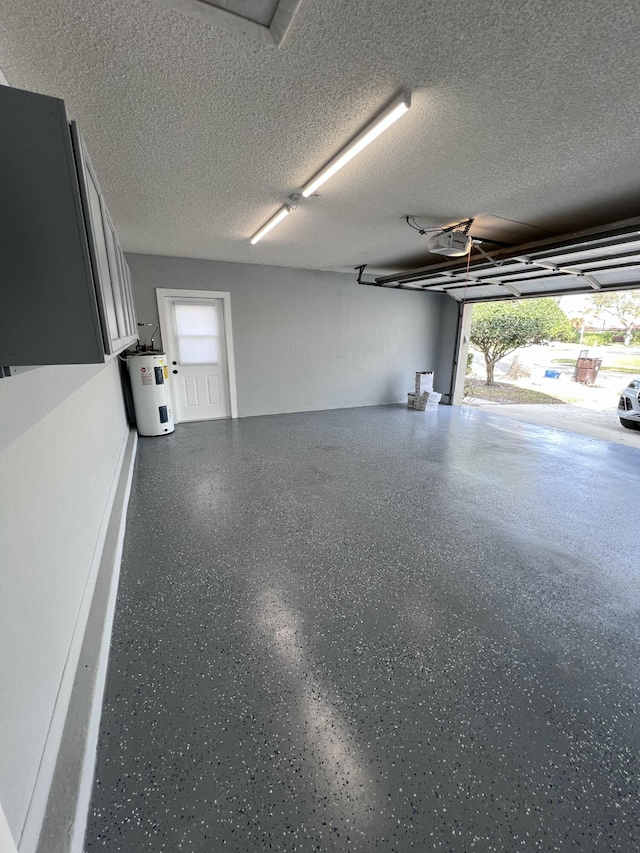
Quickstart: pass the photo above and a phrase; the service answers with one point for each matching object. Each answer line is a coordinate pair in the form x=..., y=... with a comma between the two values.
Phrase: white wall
x=305, y=339
x=62, y=433
x=7, y=844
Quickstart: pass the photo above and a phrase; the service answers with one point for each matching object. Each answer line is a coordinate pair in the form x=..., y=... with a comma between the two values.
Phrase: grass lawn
x=506, y=392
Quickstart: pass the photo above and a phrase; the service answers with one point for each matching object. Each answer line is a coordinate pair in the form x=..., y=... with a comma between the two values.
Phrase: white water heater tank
x=149, y=376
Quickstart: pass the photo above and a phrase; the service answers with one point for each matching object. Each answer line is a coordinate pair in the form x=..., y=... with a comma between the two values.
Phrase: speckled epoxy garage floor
x=375, y=630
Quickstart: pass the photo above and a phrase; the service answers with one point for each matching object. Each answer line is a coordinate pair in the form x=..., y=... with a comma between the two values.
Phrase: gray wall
x=445, y=356
x=305, y=339
x=62, y=433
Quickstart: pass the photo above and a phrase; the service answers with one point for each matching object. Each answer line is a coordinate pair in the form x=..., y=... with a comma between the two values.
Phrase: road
x=538, y=359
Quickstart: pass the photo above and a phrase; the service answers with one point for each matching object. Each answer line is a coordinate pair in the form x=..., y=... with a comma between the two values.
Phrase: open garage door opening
x=568, y=362
x=552, y=323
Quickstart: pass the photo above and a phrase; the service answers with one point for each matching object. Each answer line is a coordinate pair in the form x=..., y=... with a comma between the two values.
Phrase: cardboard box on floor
x=426, y=402
x=424, y=382
x=424, y=398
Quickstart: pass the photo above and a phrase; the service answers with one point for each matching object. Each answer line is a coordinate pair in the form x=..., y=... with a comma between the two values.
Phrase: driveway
x=591, y=410
x=597, y=423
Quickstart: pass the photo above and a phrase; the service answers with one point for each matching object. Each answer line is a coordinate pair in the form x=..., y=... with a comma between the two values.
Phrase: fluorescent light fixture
x=280, y=215
x=386, y=118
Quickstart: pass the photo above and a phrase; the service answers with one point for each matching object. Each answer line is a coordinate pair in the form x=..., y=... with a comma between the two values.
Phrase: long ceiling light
x=280, y=215
x=386, y=118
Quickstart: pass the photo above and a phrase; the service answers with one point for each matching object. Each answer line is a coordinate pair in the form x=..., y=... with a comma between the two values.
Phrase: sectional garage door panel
x=602, y=259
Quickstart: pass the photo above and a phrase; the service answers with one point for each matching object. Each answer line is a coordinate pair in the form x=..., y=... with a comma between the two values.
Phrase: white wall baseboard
x=62, y=826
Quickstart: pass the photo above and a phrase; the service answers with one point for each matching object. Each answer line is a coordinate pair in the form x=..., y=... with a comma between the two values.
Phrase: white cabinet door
x=130, y=309
x=115, y=301
x=100, y=262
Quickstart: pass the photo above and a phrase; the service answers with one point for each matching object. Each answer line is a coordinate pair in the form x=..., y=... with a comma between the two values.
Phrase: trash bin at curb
x=586, y=370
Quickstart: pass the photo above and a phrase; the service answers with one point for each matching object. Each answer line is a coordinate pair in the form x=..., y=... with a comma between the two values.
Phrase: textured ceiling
x=524, y=116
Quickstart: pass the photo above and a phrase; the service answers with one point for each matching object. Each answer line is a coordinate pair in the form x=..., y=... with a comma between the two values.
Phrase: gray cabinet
x=66, y=288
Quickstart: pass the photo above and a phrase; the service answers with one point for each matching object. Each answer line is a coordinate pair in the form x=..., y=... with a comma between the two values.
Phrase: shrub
x=517, y=369
x=597, y=339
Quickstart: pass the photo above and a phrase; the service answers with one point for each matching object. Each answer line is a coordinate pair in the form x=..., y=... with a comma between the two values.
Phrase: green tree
x=624, y=305
x=499, y=328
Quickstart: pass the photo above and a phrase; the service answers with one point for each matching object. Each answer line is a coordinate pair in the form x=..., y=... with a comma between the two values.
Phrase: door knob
x=175, y=371
x=174, y=362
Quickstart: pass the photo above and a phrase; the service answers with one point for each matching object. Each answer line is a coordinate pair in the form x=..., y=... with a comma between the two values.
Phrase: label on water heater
x=166, y=372
x=147, y=378
x=159, y=375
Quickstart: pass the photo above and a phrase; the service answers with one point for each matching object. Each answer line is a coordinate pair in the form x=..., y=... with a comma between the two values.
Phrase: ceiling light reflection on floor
x=343, y=762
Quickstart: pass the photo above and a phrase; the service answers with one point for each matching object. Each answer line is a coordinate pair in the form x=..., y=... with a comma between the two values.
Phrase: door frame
x=162, y=293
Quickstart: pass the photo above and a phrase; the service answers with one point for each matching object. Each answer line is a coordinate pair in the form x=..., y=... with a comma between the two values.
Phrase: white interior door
x=194, y=334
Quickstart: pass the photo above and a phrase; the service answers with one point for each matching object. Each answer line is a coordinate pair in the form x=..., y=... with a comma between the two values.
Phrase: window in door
x=197, y=333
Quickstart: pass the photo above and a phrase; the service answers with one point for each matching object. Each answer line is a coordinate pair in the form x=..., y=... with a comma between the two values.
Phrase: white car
x=629, y=405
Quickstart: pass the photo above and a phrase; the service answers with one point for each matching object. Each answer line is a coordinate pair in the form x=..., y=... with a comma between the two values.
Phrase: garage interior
x=357, y=632
x=340, y=624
